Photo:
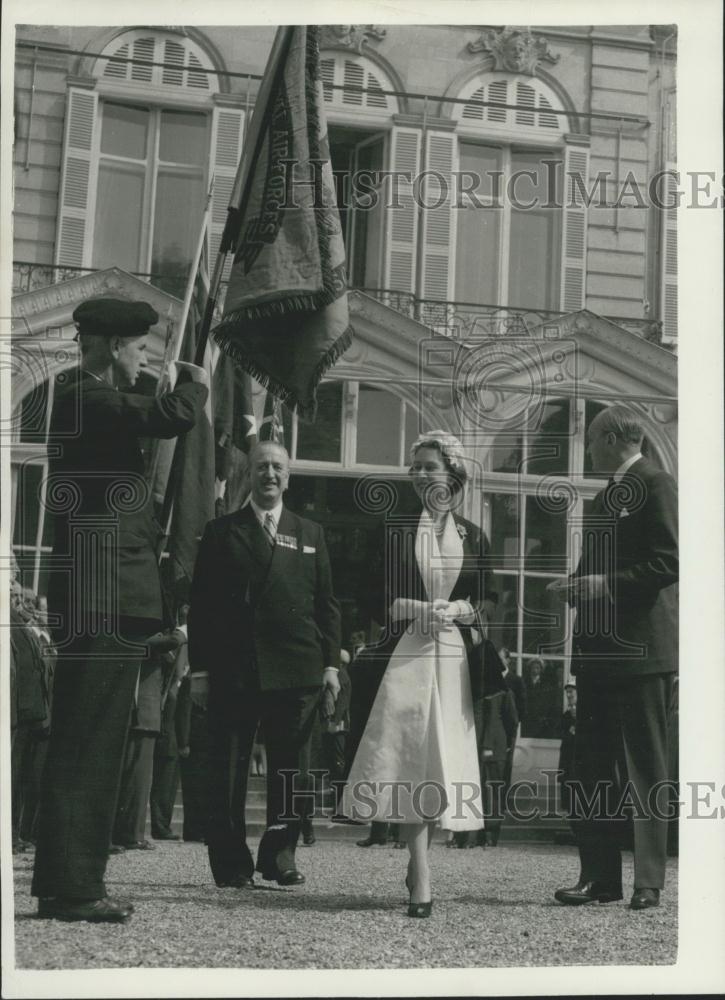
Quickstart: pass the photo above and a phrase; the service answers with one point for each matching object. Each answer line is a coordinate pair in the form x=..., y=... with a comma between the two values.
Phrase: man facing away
x=265, y=626
x=104, y=594
x=624, y=593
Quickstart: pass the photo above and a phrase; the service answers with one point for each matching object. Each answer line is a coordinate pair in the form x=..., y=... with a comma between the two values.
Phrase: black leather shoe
x=309, y=839
x=369, y=842
x=116, y=849
x=588, y=892
x=644, y=899
x=420, y=909
x=140, y=845
x=289, y=877
x=166, y=836
x=95, y=911
x=238, y=882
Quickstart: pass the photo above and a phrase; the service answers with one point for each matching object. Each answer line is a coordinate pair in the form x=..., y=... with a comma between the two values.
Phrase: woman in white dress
x=417, y=760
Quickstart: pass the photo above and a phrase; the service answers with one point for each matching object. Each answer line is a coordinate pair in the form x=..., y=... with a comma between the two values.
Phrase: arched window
x=145, y=139
x=362, y=83
x=521, y=237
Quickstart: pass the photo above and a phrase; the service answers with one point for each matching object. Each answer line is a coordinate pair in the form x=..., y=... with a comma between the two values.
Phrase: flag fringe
x=247, y=363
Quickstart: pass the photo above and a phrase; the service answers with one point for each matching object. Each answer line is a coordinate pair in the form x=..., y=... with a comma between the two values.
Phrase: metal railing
x=459, y=320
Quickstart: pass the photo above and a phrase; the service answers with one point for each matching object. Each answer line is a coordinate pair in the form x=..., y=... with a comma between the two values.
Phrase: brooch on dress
x=461, y=529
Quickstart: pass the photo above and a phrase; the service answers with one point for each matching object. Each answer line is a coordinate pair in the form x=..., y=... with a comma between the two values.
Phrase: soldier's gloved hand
x=196, y=373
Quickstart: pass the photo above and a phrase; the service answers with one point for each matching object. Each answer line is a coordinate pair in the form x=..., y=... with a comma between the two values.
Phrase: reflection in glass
x=175, y=232
x=503, y=628
x=27, y=510
x=548, y=452
x=535, y=231
x=321, y=441
x=544, y=684
x=124, y=131
x=504, y=534
x=544, y=619
x=183, y=138
x=119, y=210
x=546, y=537
x=507, y=452
x=378, y=427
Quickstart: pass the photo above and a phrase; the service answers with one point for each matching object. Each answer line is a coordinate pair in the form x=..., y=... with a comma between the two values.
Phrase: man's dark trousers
x=621, y=736
x=93, y=696
x=287, y=718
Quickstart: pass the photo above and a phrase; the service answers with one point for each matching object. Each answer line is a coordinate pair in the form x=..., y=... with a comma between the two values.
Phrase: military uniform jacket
x=105, y=536
x=630, y=537
x=263, y=614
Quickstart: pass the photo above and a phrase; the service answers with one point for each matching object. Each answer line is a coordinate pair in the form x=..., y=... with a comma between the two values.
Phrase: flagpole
x=250, y=154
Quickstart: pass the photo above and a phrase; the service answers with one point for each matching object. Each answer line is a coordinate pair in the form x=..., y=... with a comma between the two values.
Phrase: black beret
x=114, y=317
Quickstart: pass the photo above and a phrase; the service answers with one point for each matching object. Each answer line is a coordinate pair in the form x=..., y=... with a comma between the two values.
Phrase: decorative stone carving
x=514, y=50
x=350, y=36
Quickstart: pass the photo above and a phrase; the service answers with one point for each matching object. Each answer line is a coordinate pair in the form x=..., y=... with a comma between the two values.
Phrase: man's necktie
x=270, y=527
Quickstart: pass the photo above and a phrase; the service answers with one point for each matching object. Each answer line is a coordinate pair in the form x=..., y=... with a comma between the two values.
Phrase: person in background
x=192, y=738
x=567, y=752
x=165, y=780
x=129, y=830
x=32, y=716
x=515, y=684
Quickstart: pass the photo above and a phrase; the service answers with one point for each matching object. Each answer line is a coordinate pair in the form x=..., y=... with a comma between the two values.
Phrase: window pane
x=176, y=232
x=183, y=137
x=33, y=413
x=549, y=440
x=546, y=537
x=27, y=510
x=125, y=131
x=544, y=683
x=507, y=453
x=534, y=248
x=544, y=618
x=504, y=525
x=412, y=430
x=119, y=208
x=534, y=260
x=478, y=226
x=368, y=221
x=321, y=441
x=378, y=427
x=503, y=629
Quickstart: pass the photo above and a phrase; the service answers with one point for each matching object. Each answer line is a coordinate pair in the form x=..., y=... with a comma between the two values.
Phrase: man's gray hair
x=623, y=422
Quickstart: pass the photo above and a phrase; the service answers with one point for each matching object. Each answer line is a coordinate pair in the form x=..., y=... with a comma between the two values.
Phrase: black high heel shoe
x=420, y=909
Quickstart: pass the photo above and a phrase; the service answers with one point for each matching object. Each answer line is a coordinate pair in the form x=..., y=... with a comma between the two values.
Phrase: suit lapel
x=288, y=527
x=247, y=530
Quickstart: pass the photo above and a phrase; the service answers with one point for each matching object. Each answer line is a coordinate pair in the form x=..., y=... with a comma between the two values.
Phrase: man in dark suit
x=624, y=592
x=104, y=594
x=265, y=625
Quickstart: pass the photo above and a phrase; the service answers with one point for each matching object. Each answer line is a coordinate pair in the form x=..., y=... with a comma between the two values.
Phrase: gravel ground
x=493, y=908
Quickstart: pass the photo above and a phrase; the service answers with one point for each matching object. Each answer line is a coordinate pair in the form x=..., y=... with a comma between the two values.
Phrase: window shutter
x=438, y=235
x=401, y=223
x=73, y=244
x=226, y=150
x=668, y=259
x=574, y=229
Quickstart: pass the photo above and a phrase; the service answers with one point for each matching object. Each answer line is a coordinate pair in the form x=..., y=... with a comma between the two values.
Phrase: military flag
x=285, y=316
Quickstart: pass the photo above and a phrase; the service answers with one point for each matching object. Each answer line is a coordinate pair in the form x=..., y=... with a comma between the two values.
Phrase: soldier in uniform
x=104, y=593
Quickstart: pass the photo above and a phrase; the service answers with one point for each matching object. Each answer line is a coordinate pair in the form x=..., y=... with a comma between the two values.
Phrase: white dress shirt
x=625, y=465
x=260, y=513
